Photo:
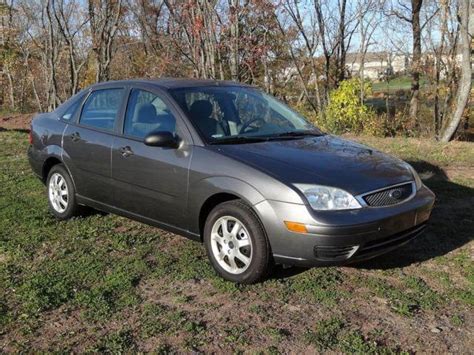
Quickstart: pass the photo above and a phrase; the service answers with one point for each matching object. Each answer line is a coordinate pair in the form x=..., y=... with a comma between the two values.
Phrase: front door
x=151, y=181
x=88, y=143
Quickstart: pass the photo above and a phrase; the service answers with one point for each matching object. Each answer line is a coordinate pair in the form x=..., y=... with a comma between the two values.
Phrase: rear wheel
x=61, y=193
x=236, y=243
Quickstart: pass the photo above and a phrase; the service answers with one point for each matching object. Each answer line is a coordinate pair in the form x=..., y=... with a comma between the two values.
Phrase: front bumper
x=341, y=237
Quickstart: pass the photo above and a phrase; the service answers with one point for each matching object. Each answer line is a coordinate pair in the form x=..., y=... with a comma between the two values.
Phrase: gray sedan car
x=228, y=165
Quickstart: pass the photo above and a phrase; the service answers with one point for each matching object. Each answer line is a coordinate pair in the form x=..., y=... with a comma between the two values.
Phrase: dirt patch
x=16, y=121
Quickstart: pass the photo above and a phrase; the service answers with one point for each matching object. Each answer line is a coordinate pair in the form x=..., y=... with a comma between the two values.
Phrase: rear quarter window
x=71, y=111
x=67, y=110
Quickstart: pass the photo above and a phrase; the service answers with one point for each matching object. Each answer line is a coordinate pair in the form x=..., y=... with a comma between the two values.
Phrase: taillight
x=30, y=137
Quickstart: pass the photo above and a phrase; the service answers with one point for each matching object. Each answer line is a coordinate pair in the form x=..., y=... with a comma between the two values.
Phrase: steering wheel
x=247, y=124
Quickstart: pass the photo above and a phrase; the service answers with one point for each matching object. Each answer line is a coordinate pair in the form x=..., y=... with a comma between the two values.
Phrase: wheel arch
x=55, y=156
x=212, y=191
x=210, y=204
x=48, y=165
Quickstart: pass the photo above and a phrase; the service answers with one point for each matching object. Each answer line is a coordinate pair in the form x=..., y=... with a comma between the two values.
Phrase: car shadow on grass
x=450, y=226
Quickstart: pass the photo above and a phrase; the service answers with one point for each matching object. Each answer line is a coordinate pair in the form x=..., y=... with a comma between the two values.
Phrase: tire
x=61, y=193
x=246, y=245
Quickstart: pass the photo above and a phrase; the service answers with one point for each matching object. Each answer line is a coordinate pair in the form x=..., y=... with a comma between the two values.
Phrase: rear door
x=87, y=143
x=151, y=181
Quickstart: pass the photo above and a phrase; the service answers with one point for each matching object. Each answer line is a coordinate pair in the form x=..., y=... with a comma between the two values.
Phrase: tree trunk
x=438, y=67
x=416, y=62
x=52, y=59
x=11, y=92
x=234, y=39
x=341, y=51
x=326, y=53
x=464, y=88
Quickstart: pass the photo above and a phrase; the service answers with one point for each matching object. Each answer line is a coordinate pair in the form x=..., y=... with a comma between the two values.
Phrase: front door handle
x=126, y=151
x=75, y=137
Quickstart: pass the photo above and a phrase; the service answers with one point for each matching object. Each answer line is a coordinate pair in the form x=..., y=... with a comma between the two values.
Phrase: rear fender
x=56, y=152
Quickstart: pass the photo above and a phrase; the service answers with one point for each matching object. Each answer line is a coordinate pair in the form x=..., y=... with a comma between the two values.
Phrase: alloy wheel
x=58, y=193
x=231, y=244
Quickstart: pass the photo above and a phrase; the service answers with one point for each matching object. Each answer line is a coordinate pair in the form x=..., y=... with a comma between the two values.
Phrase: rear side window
x=101, y=108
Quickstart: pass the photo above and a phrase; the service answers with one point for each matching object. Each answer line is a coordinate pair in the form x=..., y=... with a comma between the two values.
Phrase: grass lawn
x=395, y=84
x=105, y=283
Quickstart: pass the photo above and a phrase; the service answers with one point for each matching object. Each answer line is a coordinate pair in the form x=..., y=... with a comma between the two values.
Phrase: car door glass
x=101, y=108
x=209, y=112
x=147, y=112
x=71, y=110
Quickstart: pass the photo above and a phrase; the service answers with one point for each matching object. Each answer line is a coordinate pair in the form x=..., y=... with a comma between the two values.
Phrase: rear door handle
x=75, y=137
x=126, y=151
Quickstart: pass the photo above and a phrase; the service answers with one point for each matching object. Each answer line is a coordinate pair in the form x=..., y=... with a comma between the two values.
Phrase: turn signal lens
x=30, y=137
x=296, y=227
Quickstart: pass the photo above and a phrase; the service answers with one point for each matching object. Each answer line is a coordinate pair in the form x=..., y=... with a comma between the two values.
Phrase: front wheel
x=61, y=193
x=236, y=243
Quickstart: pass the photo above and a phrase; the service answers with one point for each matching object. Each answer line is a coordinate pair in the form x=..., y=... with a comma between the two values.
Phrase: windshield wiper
x=299, y=134
x=239, y=140
x=265, y=138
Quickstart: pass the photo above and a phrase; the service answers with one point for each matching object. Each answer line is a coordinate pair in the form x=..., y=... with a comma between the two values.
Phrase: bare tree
x=337, y=25
x=65, y=15
x=194, y=33
x=369, y=20
x=311, y=43
x=104, y=16
x=411, y=15
x=465, y=83
x=7, y=50
x=296, y=65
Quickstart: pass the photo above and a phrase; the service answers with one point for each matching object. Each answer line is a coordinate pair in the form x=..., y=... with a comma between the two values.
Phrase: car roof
x=173, y=83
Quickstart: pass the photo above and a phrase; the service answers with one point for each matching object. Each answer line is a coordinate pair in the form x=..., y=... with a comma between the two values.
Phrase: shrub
x=347, y=113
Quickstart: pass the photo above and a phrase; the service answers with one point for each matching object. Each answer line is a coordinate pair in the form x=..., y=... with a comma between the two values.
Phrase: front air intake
x=333, y=253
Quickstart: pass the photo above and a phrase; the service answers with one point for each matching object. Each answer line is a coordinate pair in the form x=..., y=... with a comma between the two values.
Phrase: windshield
x=238, y=114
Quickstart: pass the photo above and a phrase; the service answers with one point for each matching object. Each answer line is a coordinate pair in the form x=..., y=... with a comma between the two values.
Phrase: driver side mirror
x=162, y=139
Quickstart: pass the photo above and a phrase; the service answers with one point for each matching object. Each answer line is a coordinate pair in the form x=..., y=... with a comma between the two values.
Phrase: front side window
x=220, y=113
x=101, y=108
x=147, y=112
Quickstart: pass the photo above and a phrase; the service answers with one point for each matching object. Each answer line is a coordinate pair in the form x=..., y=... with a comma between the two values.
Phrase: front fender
x=202, y=190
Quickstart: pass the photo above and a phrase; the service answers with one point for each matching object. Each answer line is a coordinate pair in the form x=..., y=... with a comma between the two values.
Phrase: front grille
x=334, y=253
x=389, y=196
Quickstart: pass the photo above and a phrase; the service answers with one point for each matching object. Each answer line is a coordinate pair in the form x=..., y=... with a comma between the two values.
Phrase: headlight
x=418, y=181
x=325, y=198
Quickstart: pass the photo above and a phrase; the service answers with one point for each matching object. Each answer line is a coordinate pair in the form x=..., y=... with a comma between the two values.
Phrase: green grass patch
x=333, y=334
x=409, y=297
x=320, y=285
x=98, y=269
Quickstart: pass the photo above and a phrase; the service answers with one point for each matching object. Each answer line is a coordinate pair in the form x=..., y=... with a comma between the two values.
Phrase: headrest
x=147, y=113
x=201, y=109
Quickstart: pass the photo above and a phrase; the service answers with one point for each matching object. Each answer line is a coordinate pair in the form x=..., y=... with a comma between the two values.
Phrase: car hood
x=325, y=160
